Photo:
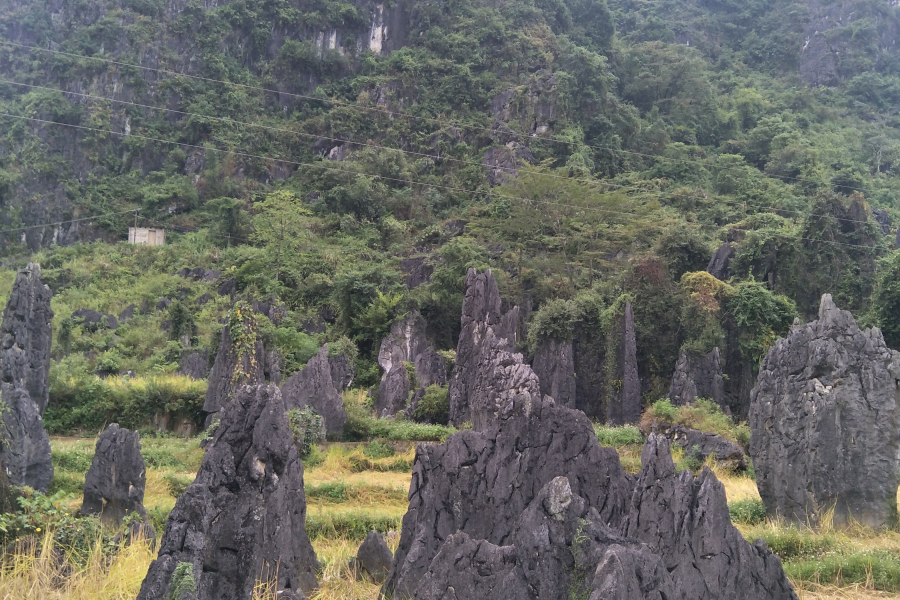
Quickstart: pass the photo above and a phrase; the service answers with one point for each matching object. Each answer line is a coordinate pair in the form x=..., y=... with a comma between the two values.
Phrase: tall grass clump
x=626, y=435
x=703, y=414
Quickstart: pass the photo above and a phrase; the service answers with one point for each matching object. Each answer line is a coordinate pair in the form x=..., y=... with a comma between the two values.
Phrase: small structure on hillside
x=147, y=236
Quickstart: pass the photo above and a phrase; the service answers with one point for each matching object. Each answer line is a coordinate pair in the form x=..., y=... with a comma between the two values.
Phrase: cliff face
x=53, y=174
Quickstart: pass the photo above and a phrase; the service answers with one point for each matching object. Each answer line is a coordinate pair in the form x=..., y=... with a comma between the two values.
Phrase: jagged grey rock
x=701, y=445
x=697, y=377
x=243, y=517
x=487, y=372
x=406, y=343
x=25, y=337
x=625, y=407
x=274, y=366
x=114, y=485
x=825, y=418
x=417, y=271
x=25, y=452
x=554, y=365
x=92, y=320
x=720, y=262
x=342, y=372
x=194, y=364
x=222, y=376
x=883, y=219
x=312, y=386
x=373, y=559
x=533, y=508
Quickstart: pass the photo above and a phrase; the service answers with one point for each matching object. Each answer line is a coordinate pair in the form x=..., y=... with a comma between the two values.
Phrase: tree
x=281, y=224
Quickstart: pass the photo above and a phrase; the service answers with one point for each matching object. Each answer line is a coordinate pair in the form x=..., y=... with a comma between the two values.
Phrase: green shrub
x=354, y=525
x=332, y=492
x=308, y=429
x=177, y=483
x=793, y=543
x=618, y=436
x=183, y=586
x=664, y=411
x=66, y=483
x=73, y=460
x=361, y=426
x=747, y=512
x=378, y=449
x=434, y=406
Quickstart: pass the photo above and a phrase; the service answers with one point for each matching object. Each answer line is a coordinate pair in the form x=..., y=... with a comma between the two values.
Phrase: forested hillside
x=345, y=163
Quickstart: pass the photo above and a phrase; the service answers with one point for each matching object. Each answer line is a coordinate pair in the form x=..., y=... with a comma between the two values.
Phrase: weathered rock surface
x=243, y=518
x=342, y=372
x=554, y=365
x=720, y=262
x=249, y=366
x=417, y=271
x=25, y=452
x=697, y=377
x=406, y=343
x=312, y=386
x=373, y=559
x=194, y=364
x=825, y=419
x=883, y=219
x=127, y=313
x=625, y=406
x=274, y=366
x=701, y=445
x=533, y=508
x=25, y=337
x=488, y=373
x=92, y=320
x=114, y=485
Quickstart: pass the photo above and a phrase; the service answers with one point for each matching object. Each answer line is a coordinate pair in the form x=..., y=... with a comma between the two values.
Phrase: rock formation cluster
x=25, y=338
x=243, y=518
x=114, y=485
x=313, y=386
x=406, y=345
x=825, y=419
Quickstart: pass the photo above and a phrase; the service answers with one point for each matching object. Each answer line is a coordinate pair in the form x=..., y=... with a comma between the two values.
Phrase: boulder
x=697, y=377
x=720, y=262
x=312, y=386
x=554, y=365
x=227, y=287
x=203, y=299
x=701, y=445
x=243, y=517
x=194, y=364
x=342, y=372
x=373, y=559
x=416, y=270
x=127, y=313
x=92, y=320
x=25, y=452
x=825, y=418
x=406, y=344
x=25, y=337
x=532, y=507
x=625, y=406
x=114, y=485
x=486, y=360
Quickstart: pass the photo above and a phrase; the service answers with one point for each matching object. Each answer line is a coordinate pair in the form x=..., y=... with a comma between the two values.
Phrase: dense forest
x=345, y=163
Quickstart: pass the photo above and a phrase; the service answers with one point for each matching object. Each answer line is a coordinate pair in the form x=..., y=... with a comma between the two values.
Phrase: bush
x=747, y=512
x=618, y=436
x=378, y=449
x=703, y=414
x=332, y=492
x=793, y=543
x=434, y=406
x=177, y=483
x=664, y=411
x=308, y=429
x=354, y=525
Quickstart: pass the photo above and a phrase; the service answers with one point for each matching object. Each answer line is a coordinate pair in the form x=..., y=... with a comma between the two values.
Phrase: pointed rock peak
x=826, y=305
x=656, y=457
x=830, y=316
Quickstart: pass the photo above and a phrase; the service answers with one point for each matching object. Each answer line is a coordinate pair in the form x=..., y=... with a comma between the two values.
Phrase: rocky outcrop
x=554, y=365
x=342, y=372
x=25, y=337
x=238, y=364
x=532, y=507
x=114, y=485
x=243, y=517
x=92, y=320
x=697, y=377
x=200, y=274
x=719, y=264
x=502, y=164
x=406, y=344
x=488, y=374
x=883, y=219
x=313, y=386
x=274, y=366
x=416, y=270
x=25, y=452
x=701, y=445
x=194, y=364
x=625, y=406
x=825, y=419
x=373, y=559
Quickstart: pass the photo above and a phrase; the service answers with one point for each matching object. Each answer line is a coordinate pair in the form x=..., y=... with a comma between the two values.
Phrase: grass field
x=352, y=488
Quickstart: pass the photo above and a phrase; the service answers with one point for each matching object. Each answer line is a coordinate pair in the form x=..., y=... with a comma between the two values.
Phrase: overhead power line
x=407, y=115
x=395, y=179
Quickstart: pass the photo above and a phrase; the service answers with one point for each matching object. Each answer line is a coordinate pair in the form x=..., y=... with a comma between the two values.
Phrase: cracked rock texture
x=312, y=386
x=25, y=453
x=554, y=364
x=701, y=445
x=406, y=343
x=243, y=517
x=114, y=485
x=719, y=264
x=825, y=423
x=222, y=379
x=373, y=559
x=488, y=376
x=697, y=376
x=533, y=508
x=625, y=406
